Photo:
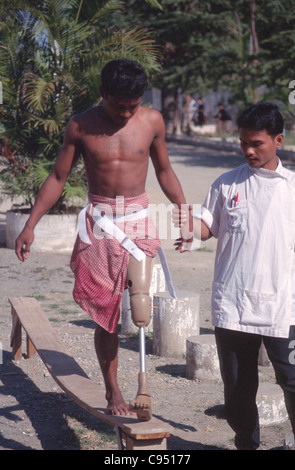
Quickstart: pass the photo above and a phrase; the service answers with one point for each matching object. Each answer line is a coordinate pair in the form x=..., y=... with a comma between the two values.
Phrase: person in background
x=224, y=119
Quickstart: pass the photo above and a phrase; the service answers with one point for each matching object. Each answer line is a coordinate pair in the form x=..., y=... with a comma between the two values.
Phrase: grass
x=100, y=436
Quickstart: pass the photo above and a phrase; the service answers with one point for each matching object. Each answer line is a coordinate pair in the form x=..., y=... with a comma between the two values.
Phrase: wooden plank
x=71, y=377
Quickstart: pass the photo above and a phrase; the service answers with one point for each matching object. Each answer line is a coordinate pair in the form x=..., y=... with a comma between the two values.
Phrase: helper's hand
x=183, y=218
x=182, y=245
x=23, y=243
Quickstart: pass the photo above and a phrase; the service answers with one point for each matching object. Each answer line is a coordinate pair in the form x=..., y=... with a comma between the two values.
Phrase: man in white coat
x=251, y=211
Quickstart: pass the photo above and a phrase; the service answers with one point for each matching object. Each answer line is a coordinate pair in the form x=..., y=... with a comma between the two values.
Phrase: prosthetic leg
x=139, y=277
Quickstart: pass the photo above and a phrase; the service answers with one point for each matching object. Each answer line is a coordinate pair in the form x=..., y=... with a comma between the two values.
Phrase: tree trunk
x=255, y=47
x=253, y=28
x=177, y=113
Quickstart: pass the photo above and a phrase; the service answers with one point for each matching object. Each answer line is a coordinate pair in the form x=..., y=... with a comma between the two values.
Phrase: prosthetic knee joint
x=139, y=277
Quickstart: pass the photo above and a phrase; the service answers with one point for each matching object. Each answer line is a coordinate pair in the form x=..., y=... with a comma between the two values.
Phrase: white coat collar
x=265, y=173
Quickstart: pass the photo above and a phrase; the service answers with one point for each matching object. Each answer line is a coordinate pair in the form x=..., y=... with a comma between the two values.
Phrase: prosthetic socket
x=139, y=276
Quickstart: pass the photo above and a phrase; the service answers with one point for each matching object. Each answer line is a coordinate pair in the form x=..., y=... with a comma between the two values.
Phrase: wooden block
x=31, y=350
x=153, y=444
x=16, y=336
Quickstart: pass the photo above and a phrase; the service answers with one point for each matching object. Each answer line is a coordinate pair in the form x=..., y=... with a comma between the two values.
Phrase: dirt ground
x=37, y=415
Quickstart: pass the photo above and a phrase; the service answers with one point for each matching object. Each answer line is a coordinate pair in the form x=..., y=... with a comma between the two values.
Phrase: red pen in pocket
x=236, y=199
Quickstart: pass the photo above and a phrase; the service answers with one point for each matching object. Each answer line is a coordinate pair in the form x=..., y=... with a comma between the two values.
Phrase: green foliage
x=51, y=56
x=210, y=45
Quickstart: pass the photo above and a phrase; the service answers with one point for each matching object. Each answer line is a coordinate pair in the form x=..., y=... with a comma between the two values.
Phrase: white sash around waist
x=107, y=225
x=105, y=222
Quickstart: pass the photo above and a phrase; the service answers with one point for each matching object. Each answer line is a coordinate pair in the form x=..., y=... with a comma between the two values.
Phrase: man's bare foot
x=106, y=347
x=117, y=406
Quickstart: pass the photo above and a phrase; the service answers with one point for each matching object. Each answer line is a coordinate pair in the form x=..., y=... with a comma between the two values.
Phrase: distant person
x=192, y=107
x=199, y=116
x=224, y=119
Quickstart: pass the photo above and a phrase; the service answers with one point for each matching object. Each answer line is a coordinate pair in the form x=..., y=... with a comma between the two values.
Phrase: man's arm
x=198, y=229
x=166, y=176
x=50, y=190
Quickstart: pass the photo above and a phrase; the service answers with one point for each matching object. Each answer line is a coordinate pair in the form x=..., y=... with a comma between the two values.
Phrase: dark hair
x=262, y=116
x=124, y=78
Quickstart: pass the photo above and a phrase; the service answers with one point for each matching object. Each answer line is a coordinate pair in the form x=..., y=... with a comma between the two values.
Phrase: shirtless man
x=115, y=140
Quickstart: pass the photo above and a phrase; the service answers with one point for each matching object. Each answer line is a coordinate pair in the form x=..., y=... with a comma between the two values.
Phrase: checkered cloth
x=100, y=268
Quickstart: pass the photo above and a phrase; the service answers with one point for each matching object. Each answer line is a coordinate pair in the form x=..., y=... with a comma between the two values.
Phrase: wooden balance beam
x=42, y=338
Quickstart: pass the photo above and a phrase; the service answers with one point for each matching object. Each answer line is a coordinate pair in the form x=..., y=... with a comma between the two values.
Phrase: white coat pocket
x=237, y=217
x=259, y=308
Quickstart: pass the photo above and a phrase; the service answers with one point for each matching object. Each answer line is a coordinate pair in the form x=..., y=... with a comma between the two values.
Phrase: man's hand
x=23, y=243
x=183, y=218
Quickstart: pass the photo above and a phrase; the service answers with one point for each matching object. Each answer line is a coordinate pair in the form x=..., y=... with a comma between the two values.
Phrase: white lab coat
x=253, y=286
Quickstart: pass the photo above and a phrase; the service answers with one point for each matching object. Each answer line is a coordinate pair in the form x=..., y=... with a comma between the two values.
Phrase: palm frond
x=39, y=172
x=72, y=190
x=51, y=56
x=136, y=44
x=37, y=91
x=155, y=4
x=93, y=12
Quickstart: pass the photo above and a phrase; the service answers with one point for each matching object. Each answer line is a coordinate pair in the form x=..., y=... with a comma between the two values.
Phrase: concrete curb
x=221, y=145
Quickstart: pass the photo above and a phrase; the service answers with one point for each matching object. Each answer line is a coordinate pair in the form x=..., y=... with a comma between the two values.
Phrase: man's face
x=259, y=148
x=120, y=110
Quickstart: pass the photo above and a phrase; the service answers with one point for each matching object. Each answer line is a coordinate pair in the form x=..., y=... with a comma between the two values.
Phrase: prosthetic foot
x=138, y=281
x=142, y=403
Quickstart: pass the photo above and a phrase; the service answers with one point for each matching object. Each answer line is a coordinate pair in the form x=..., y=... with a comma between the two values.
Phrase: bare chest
x=120, y=146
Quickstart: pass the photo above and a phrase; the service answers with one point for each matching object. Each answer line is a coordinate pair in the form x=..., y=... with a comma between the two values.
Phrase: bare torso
x=116, y=141
x=116, y=158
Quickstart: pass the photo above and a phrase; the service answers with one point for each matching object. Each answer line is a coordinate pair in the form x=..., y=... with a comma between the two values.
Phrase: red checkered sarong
x=100, y=268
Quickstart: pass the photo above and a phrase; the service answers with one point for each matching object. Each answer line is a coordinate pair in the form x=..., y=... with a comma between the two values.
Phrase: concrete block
x=174, y=321
x=202, y=364
x=271, y=404
x=53, y=233
x=289, y=443
x=202, y=361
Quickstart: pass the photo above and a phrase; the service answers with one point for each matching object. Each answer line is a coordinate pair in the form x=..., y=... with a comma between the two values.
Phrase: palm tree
x=51, y=56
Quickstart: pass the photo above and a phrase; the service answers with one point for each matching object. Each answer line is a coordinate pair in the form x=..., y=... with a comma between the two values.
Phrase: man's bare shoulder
x=84, y=122
x=153, y=117
x=151, y=113
x=86, y=116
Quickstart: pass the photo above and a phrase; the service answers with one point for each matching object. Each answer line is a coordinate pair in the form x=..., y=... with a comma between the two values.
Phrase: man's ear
x=101, y=91
x=279, y=139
